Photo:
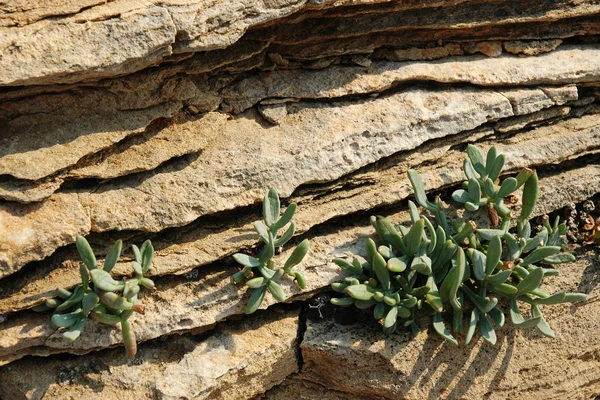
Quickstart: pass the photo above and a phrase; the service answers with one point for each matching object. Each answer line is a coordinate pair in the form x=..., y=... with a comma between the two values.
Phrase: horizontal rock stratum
x=168, y=120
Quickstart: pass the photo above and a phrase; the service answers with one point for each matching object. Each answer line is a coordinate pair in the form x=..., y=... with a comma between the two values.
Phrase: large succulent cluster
x=463, y=268
x=270, y=276
x=101, y=297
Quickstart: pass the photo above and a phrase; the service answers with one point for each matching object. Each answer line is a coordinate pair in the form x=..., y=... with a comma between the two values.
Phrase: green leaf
x=418, y=188
x=489, y=234
x=128, y=338
x=371, y=250
x=75, y=298
x=539, y=240
x=470, y=172
x=561, y=258
x=490, y=158
x=256, y=299
x=494, y=253
x=496, y=168
x=531, y=281
x=137, y=268
x=347, y=266
x=391, y=318
x=89, y=302
x=287, y=235
x=486, y=329
x=498, y=278
x=102, y=280
x=413, y=211
x=539, y=254
x=268, y=251
x=556, y=298
x=422, y=265
x=105, y=318
x=518, y=320
x=364, y=304
x=276, y=291
x=286, y=217
x=379, y=311
x=112, y=256
x=75, y=330
x=396, y=265
x=413, y=239
x=476, y=158
x=271, y=208
x=498, y=317
x=300, y=280
x=114, y=301
x=255, y=283
x=574, y=297
x=147, y=283
x=478, y=261
x=543, y=324
x=505, y=289
x=514, y=250
x=509, y=185
x=530, y=195
x=472, y=325
x=85, y=276
x=297, y=255
x=440, y=328
x=262, y=231
x=65, y=320
x=523, y=176
x=343, y=301
x=137, y=253
x=381, y=271
x=361, y=292
x=474, y=190
x=85, y=252
x=462, y=196
x=489, y=188
x=457, y=279
x=386, y=252
x=433, y=296
x=246, y=260
x=388, y=234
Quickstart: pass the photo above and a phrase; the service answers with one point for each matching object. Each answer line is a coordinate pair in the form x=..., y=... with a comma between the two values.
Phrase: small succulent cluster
x=461, y=268
x=270, y=276
x=101, y=297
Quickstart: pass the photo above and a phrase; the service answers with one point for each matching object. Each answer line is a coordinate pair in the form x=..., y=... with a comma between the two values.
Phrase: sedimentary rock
x=240, y=359
x=167, y=121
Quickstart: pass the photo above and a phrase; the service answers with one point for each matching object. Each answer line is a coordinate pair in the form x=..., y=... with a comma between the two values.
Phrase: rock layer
x=167, y=120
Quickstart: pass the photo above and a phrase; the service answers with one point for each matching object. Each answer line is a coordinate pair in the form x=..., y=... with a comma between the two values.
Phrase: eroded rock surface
x=167, y=120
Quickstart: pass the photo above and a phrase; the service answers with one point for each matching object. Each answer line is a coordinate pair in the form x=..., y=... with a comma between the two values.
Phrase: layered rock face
x=168, y=120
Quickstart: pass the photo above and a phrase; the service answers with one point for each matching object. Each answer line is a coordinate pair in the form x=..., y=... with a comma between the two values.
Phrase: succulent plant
x=99, y=296
x=270, y=276
x=436, y=268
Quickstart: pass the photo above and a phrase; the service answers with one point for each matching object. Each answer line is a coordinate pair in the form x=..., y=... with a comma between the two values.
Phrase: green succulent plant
x=435, y=268
x=99, y=296
x=270, y=276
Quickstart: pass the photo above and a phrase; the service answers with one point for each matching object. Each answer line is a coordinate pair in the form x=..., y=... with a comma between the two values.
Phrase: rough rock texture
x=239, y=360
x=167, y=120
x=524, y=364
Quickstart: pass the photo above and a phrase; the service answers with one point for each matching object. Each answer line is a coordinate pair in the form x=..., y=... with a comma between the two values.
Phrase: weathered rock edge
x=378, y=185
x=197, y=303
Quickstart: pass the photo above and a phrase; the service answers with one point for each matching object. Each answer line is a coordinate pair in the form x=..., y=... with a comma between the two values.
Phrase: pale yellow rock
x=523, y=364
x=197, y=303
x=372, y=187
x=238, y=360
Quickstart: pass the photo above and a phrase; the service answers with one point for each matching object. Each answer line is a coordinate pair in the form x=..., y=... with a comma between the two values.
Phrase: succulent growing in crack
x=435, y=268
x=270, y=276
x=101, y=297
